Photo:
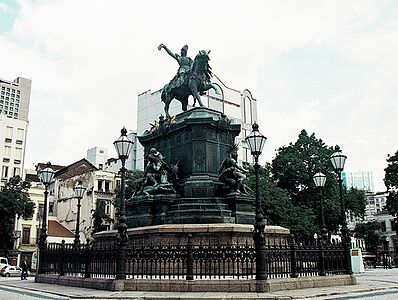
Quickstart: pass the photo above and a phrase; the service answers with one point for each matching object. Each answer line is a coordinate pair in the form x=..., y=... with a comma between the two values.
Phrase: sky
x=329, y=67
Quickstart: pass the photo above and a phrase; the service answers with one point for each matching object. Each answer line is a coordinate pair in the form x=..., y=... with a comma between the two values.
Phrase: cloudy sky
x=329, y=67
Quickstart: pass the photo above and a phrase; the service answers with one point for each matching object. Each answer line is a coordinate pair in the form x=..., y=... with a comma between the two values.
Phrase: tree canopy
x=290, y=197
x=370, y=233
x=14, y=201
x=391, y=182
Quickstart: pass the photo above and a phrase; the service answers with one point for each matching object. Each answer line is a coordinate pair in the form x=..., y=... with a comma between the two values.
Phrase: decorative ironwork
x=189, y=260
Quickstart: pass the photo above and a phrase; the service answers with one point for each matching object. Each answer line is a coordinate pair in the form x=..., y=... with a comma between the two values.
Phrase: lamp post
x=123, y=147
x=79, y=192
x=46, y=176
x=256, y=143
x=338, y=160
x=320, y=180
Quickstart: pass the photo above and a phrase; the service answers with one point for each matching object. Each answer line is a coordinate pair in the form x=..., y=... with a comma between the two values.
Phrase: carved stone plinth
x=198, y=141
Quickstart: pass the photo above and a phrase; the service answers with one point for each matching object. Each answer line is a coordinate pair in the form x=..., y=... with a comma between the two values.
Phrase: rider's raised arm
x=173, y=55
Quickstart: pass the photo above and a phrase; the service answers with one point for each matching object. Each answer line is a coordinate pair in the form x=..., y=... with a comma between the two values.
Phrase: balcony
x=32, y=242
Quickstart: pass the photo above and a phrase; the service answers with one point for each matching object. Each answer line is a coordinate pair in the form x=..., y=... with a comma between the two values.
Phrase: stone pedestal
x=201, y=233
x=198, y=142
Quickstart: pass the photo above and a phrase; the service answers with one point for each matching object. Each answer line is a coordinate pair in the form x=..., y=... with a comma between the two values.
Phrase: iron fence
x=194, y=261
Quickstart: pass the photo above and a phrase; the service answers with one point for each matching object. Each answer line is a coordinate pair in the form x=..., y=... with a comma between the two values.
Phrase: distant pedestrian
x=24, y=268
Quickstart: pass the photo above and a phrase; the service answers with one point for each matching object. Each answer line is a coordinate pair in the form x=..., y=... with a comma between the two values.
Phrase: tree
x=14, y=201
x=292, y=170
x=278, y=206
x=391, y=182
x=370, y=233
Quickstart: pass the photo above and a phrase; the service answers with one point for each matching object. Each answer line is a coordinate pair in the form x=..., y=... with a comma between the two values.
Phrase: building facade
x=97, y=156
x=99, y=196
x=12, y=145
x=15, y=98
x=14, y=113
x=360, y=180
x=27, y=230
x=239, y=106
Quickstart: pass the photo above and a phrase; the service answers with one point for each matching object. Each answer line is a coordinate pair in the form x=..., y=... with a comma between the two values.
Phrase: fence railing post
x=87, y=259
x=293, y=257
x=189, y=258
x=321, y=266
x=62, y=259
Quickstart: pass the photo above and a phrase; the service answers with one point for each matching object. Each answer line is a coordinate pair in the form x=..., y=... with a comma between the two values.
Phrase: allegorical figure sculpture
x=158, y=176
x=193, y=78
x=231, y=174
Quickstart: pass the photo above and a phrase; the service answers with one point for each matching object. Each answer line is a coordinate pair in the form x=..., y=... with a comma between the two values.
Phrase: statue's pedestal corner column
x=242, y=207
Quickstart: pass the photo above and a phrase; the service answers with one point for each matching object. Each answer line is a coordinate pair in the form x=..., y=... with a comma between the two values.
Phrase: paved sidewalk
x=371, y=280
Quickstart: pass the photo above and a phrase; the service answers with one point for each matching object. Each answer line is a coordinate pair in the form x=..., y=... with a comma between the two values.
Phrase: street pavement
x=377, y=284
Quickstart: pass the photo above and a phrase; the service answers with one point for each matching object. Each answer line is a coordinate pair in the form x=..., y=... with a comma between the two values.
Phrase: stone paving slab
x=371, y=280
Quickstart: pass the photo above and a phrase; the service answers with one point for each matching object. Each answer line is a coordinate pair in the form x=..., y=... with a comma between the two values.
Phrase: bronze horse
x=196, y=83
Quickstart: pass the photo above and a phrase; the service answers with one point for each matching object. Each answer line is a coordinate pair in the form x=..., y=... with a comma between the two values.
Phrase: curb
x=238, y=296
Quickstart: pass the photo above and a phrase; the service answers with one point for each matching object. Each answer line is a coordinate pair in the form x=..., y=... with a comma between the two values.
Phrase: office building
x=15, y=98
x=359, y=180
x=14, y=112
x=97, y=156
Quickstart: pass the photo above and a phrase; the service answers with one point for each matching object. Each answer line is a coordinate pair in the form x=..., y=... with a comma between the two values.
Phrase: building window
x=7, y=151
x=40, y=211
x=25, y=235
x=9, y=132
x=5, y=172
x=17, y=171
x=100, y=187
x=51, y=208
x=107, y=186
x=18, y=153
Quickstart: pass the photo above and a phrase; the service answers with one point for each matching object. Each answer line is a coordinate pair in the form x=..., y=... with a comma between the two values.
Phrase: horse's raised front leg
x=209, y=86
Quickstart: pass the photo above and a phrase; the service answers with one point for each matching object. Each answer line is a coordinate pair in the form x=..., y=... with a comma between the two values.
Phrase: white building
x=239, y=106
x=15, y=98
x=376, y=203
x=97, y=156
x=14, y=112
x=360, y=180
x=12, y=145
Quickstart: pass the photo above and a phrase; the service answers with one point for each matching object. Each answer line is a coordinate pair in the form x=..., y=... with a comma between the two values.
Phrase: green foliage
x=356, y=202
x=391, y=182
x=99, y=216
x=292, y=170
x=278, y=206
x=370, y=233
x=391, y=172
x=14, y=200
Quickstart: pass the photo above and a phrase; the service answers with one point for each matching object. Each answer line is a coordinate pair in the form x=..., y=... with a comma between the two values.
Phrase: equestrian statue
x=192, y=78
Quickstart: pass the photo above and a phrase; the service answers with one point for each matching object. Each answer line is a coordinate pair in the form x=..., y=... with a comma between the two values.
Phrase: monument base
x=201, y=233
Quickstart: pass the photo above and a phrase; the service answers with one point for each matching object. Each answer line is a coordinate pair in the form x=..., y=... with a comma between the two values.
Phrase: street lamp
x=123, y=147
x=79, y=192
x=256, y=143
x=46, y=176
x=338, y=160
x=320, y=180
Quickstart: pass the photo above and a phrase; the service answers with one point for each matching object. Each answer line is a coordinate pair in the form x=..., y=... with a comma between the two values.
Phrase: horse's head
x=201, y=64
